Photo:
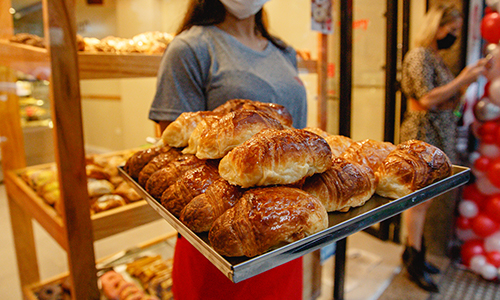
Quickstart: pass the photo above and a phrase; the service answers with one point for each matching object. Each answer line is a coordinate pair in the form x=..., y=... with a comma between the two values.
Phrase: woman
x=433, y=95
x=223, y=51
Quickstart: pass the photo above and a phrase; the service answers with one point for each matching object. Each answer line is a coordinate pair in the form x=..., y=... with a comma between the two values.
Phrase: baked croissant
x=192, y=183
x=276, y=157
x=160, y=180
x=195, y=136
x=346, y=184
x=178, y=132
x=199, y=214
x=413, y=165
x=276, y=110
x=141, y=158
x=318, y=131
x=368, y=152
x=338, y=143
x=232, y=130
x=157, y=163
x=264, y=218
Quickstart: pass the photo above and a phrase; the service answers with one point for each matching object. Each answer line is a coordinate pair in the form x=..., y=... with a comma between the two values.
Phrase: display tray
x=340, y=225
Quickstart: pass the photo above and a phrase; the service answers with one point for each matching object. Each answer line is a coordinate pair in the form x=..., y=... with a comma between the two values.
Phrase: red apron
x=194, y=277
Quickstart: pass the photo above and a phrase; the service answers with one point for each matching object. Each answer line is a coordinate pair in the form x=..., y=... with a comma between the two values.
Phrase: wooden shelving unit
x=76, y=230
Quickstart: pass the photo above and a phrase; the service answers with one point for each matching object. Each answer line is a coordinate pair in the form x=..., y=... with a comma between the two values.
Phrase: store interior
x=114, y=118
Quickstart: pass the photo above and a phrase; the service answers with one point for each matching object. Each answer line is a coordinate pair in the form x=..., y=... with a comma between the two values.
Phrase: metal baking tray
x=340, y=225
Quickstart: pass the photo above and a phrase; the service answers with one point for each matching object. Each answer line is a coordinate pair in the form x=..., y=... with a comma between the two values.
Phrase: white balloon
x=465, y=234
x=484, y=185
x=492, y=243
x=489, y=272
x=495, y=91
x=477, y=263
x=477, y=173
x=489, y=150
x=468, y=209
x=473, y=156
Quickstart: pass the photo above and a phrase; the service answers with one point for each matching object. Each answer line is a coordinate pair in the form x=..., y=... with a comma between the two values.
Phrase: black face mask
x=446, y=42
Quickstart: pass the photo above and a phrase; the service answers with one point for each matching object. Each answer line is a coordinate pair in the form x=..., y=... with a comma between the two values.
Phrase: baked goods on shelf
x=413, y=165
x=264, y=218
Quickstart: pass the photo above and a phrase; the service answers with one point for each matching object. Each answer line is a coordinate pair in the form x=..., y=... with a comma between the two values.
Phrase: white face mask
x=243, y=9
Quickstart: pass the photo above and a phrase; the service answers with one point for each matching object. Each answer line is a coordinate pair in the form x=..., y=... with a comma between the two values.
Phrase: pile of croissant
x=243, y=174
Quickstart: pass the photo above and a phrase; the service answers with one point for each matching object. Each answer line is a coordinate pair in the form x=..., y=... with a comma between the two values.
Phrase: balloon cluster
x=478, y=223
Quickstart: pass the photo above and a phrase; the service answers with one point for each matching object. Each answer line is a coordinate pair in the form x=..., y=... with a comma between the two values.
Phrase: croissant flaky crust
x=276, y=110
x=192, y=183
x=178, y=132
x=199, y=214
x=264, y=218
x=276, y=157
x=413, y=165
x=134, y=164
x=346, y=184
x=157, y=163
x=232, y=130
x=368, y=152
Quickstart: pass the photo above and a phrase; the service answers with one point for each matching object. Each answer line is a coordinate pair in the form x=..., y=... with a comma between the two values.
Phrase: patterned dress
x=424, y=70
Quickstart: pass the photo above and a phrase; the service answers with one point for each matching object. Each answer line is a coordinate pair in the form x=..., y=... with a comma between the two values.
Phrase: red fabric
x=194, y=277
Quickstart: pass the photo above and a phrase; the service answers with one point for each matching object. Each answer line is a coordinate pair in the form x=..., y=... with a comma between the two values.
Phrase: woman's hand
x=472, y=72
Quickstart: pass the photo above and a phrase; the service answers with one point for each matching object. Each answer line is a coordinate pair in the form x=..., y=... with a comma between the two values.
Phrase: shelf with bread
x=250, y=192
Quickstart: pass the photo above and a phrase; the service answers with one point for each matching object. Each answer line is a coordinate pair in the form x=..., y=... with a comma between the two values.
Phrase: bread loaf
x=276, y=157
x=265, y=218
x=413, y=165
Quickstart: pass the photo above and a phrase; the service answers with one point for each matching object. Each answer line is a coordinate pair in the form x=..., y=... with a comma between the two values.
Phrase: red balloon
x=487, y=89
x=488, y=128
x=463, y=223
x=488, y=10
x=482, y=163
x=497, y=136
x=470, y=192
x=494, y=172
x=471, y=248
x=492, y=208
x=493, y=258
x=490, y=27
x=483, y=226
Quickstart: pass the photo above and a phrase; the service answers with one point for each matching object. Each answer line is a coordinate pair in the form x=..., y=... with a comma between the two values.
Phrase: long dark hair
x=212, y=12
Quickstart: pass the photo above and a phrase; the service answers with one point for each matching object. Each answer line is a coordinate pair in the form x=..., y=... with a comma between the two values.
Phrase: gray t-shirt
x=204, y=67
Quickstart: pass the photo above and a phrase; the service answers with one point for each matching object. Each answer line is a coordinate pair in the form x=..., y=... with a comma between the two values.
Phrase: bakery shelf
x=105, y=224
x=340, y=226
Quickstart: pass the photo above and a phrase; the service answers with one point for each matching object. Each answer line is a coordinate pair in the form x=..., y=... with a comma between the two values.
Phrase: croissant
x=178, y=132
x=264, y=218
x=160, y=180
x=232, y=130
x=141, y=158
x=346, y=184
x=413, y=165
x=157, y=163
x=195, y=136
x=276, y=157
x=199, y=214
x=368, y=152
x=276, y=110
x=318, y=131
x=192, y=183
x=338, y=143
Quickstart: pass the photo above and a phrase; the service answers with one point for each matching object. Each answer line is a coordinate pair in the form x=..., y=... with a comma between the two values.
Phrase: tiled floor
x=371, y=263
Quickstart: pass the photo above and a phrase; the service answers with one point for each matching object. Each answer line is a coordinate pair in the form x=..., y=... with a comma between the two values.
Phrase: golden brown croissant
x=160, y=180
x=267, y=217
x=277, y=111
x=368, y=152
x=276, y=157
x=192, y=183
x=157, y=163
x=141, y=158
x=338, y=143
x=194, y=139
x=412, y=166
x=204, y=209
x=178, y=132
x=318, y=131
x=232, y=130
x=346, y=184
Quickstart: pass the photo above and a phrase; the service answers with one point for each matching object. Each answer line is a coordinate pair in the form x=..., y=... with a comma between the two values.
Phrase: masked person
x=224, y=51
x=433, y=95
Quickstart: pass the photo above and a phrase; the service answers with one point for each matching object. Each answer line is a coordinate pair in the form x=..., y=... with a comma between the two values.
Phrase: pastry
x=97, y=172
x=318, y=131
x=97, y=188
x=195, y=136
x=413, y=165
x=110, y=282
x=178, y=132
x=338, y=143
x=201, y=212
x=264, y=218
x=232, y=130
x=275, y=110
x=276, y=157
x=107, y=202
x=157, y=163
x=127, y=192
x=141, y=158
x=160, y=180
x=192, y=183
x=346, y=184
x=368, y=152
